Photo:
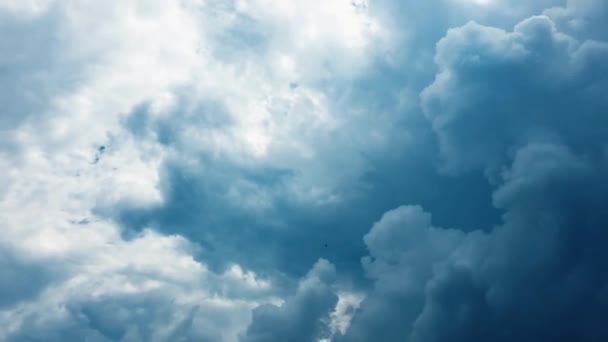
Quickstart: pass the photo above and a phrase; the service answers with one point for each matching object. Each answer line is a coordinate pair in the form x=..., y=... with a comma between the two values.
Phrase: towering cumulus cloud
x=526, y=107
x=303, y=171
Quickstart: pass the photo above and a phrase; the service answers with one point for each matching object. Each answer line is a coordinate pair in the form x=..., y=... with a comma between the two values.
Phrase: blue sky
x=314, y=171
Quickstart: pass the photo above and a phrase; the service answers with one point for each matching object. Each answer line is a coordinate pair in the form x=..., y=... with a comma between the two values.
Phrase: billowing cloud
x=522, y=106
x=404, y=249
x=173, y=170
x=303, y=317
x=538, y=61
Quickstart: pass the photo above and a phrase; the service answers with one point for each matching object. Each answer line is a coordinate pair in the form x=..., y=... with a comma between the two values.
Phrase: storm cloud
x=523, y=106
x=303, y=170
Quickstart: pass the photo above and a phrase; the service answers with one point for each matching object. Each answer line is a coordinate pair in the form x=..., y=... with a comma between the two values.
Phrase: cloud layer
x=256, y=170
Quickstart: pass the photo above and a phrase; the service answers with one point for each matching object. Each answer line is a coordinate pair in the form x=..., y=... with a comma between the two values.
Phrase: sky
x=304, y=171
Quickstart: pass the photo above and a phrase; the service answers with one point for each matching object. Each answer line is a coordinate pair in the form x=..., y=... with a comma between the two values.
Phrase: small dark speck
x=100, y=150
x=80, y=222
x=325, y=245
x=293, y=85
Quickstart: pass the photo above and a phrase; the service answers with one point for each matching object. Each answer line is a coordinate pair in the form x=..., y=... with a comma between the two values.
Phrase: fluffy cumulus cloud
x=257, y=170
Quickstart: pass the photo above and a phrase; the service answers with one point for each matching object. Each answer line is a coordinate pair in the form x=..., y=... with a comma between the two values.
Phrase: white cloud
x=47, y=221
x=348, y=303
x=68, y=156
x=27, y=8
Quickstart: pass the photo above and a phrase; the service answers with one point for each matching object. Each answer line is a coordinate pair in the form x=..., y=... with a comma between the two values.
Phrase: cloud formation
x=303, y=317
x=173, y=170
x=523, y=107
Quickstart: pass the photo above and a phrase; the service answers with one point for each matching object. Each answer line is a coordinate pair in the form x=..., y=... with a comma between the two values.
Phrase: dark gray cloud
x=303, y=317
x=539, y=276
x=491, y=80
x=404, y=249
x=524, y=107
